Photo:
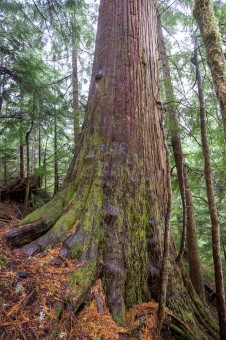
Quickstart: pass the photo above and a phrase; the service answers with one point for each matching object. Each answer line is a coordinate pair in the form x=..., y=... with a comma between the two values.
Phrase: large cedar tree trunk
x=115, y=193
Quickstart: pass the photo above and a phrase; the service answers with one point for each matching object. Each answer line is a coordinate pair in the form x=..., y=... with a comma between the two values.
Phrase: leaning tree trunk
x=195, y=271
x=114, y=198
x=216, y=243
x=204, y=15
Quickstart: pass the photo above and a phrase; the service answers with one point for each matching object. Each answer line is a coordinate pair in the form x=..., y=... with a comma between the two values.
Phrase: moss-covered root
x=38, y=222
x=58, y=314
x=186, y=305
x=42, y=243
x=19, y=236
x=199, y=310
x=57, y=233
x=58, y=219
x=81, y=281
x=180, y=329
x=114, y=266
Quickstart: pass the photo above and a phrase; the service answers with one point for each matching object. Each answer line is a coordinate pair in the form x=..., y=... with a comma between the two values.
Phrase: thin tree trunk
x=1, y=92
x=204, y=15
x=5, y=168
x=21, y=136
x=28, y=168
x=21, y=160
x=75, y=105
x=189, y=225
x=164, y=273
x=56, y=175
x=2, y=86
x=39, y=142
x=33, y=153
x=44, y=167
x=216, y=244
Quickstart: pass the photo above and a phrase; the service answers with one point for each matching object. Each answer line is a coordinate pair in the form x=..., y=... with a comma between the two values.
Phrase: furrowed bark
x=216, y=244
x=204, y=15
x=189, y=226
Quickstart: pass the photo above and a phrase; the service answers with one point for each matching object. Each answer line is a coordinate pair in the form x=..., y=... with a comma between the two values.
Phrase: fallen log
x=16, y=190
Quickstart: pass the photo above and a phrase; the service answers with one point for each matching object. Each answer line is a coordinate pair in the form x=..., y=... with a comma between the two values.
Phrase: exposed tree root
x=99, y=300
x=41, y=244
x=45, y=226
x=25, y=234
x=199, y=309
x=91, y=267
x=69, y=241
x=183, y=326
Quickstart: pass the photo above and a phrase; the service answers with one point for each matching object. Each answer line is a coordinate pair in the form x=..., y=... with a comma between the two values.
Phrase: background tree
x=178, y=27
x=189, y=227
x=216, y=243
x=33, y=34
x=204, y=14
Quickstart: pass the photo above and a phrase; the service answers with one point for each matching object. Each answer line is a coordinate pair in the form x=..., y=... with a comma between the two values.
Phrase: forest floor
x=36, y=301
